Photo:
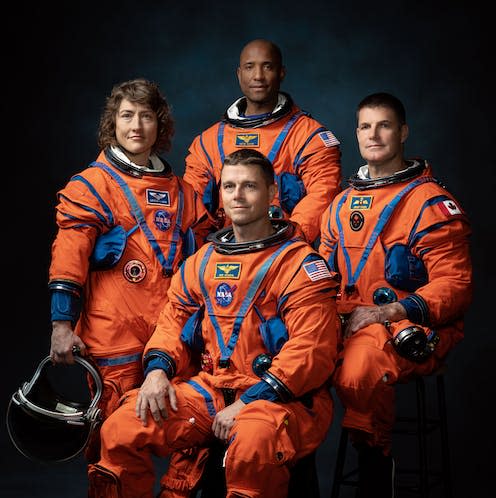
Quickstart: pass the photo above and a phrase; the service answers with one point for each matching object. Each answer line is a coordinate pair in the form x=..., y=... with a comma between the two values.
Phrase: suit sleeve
x=308, y=310
x=166, y=338
x=199, y=166
x=82, y=213
x=442, y=242
x=328, y=240
x=320, y=171
x=201, y=222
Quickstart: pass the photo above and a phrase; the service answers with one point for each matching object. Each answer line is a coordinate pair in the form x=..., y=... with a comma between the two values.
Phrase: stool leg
x=443, y=425
x=340, y=460
x=422, y=431
x=304, y=478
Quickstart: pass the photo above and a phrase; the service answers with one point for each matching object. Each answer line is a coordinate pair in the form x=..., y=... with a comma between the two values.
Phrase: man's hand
x=366, y=315
x=224, y=420
x=151, y=396
x=63, y=341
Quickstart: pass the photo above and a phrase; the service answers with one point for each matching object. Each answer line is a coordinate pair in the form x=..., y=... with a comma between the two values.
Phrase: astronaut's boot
x=376, y=473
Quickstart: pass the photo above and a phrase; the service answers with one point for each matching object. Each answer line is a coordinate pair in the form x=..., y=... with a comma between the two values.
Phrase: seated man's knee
x=252, y=441
x=121, y=428
x=367, y=365
x=361, y=366
x=261, y=437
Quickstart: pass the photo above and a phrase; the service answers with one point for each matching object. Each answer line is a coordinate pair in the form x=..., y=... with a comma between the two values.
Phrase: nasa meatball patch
x=162, y=220
x=224, y=294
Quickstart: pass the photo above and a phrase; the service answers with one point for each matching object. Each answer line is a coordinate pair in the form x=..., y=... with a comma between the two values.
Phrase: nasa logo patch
x=224, y=294
x=162, y=220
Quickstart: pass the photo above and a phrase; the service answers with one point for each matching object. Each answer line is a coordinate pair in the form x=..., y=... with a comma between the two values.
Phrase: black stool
x=303, y=481
x=421, y=426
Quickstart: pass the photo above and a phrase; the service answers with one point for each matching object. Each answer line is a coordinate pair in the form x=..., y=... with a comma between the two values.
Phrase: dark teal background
x=59, y=63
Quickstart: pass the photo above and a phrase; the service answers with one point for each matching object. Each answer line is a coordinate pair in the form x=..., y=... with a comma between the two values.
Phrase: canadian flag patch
x=449, y=208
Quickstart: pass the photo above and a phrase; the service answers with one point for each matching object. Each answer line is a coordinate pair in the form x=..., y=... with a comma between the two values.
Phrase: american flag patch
x=316, y=270
x=328, y=138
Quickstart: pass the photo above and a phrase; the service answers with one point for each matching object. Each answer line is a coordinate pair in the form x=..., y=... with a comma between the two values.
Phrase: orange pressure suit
x=121, y=275
x=401, y=238
x=305, y=155
x=263, y=319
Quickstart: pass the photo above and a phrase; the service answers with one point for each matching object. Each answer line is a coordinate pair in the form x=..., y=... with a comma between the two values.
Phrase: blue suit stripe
x=205, y=152
x=381, y=223
x=299, y=159
x=208, y=398
x=250, y=295
x=108, y=217
x=282, y=136
x=208, y=302
x=429, y=202
x=220, y=141
x=138, y=214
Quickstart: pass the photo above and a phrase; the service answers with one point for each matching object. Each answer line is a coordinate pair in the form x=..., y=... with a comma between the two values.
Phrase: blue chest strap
x=275, y=147
x=140, y=218
x=381, y=223
x=227, y=350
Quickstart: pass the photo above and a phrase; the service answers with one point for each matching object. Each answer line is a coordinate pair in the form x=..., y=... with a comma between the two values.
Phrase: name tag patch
x=160, y=197
x=247, y=140
x=361, y=202
x=225, y=271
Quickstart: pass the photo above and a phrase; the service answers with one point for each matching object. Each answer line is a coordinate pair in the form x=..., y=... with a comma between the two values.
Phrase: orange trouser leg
x=365, y=380
x=267, y=439
x=183, y=473
x=127, y=446
x=117, y=380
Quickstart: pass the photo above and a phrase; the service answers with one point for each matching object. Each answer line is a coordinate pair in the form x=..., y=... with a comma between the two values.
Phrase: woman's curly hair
x=138, y=91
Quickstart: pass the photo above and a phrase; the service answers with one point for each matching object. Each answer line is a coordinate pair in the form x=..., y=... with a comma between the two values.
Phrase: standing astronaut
x=125, y=223
x=305, y=154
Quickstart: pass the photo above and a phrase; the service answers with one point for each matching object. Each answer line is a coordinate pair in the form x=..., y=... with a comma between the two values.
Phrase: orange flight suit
x=239, y=296
x=121, y=304
x=361, y=230
x=305, y=155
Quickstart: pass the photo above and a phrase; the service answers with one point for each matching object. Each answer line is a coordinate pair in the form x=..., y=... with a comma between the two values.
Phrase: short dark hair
x=252, y=156
x=139, y=91
x=383, y=99
x=273, y=47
